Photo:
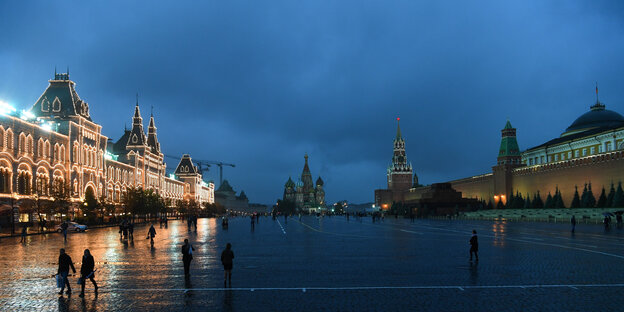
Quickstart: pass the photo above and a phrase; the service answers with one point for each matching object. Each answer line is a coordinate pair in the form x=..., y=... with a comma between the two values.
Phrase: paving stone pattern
x=327, y=264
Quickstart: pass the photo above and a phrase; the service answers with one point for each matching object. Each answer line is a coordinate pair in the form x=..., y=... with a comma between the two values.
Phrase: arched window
x=23, y=183
x=62, y=153
x=9, y=139
x=47, y=149
x=29, y=145
x=22, y=143
x=56, y=105
x=2, y=144
x=40, y=147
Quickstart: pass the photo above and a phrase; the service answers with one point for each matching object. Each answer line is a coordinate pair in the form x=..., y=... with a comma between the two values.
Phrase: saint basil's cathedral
x=307, y=196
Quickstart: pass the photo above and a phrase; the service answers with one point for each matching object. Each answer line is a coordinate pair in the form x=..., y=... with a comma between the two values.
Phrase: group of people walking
x=126, y=230
x=87, y=270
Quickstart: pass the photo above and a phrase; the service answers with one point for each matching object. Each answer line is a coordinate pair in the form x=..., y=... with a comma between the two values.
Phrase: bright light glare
x=27, y=115
x=6, y=109
x=46, y=127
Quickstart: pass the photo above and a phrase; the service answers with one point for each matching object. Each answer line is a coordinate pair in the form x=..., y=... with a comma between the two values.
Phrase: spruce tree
x=520, y=200
x=591, y=200
x=610, y=197
x=527, y=202
x=602, y=200
x=537, y=201
x=500, y=205
x=618, y=199
x=489, y=205
x=576, y=201
x=549, y=201
x=558, y=200
x=584, y=197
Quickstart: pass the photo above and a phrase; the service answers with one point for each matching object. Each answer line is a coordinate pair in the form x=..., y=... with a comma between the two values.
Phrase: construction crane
x=207, y=163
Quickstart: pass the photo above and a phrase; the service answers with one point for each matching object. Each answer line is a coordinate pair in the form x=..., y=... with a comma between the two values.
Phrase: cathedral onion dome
x=289, y=183
x=299, y=183
x=319, y=181
x=597, y=117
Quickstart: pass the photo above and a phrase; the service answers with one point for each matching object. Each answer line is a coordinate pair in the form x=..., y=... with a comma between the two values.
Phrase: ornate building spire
x=152, y=140
x=400, y=171
x=509, y=152
x=137, y=135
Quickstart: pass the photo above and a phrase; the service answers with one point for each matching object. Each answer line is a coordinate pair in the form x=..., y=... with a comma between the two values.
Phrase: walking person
x=24, y=232
x=87, y=271
x=64, y=227
x=131, y=230
x=65, y=262
x=253, y=223
x=573, y=222
x=474, y=245
x=151, y=233
x=187, y=256
x=227, y=257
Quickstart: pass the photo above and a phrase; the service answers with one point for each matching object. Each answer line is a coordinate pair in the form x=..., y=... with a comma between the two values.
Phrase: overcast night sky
x=261, y=83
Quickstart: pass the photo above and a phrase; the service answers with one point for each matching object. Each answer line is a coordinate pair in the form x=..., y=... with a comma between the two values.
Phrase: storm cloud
x=261, y=83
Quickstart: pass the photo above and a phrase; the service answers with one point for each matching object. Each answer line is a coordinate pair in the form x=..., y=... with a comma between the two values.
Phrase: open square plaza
x=325, y=264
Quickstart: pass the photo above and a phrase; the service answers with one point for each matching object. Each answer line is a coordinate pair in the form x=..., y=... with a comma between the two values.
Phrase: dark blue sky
x=259, y=84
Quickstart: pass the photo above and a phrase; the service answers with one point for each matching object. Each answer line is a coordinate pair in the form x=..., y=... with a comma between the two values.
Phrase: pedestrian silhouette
x=474, y=245
x=187, y=256
x=150, y=234
x=227, y=257
x=65, y=262
x=87, y=271
x=24, y=231
x=573, y=222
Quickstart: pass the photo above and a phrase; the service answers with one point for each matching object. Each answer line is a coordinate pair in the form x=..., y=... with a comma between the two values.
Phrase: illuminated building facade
x=55, y=144
x=306, y=195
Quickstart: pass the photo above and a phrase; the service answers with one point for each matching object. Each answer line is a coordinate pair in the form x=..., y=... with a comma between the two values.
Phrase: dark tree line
x=613, y=199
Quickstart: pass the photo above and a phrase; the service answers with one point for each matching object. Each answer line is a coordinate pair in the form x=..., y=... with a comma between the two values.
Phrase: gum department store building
x=56, y=143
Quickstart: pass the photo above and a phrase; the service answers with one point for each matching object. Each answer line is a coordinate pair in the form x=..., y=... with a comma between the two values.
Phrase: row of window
x=568, y=155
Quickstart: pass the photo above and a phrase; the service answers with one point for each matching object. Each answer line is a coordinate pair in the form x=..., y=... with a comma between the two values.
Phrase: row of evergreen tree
x=615, y=198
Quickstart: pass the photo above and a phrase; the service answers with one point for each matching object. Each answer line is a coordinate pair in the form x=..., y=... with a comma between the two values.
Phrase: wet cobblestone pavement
x=327, y=264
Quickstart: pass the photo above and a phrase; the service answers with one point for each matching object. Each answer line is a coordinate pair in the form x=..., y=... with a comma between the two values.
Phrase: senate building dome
x=597, y=117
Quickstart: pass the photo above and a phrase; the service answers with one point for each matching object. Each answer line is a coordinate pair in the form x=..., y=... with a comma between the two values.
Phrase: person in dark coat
x=227, y=257
x=573, y=222
x=64, y=227
x=87, y=271
x=151, y=233
x=474, y=245
x=65, y=262
x=187, y=256
x=131, y=230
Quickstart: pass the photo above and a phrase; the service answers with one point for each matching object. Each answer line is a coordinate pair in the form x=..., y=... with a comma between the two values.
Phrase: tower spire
x=398, y=136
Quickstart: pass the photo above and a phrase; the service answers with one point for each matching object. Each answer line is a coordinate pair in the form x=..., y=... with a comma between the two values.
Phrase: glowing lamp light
x=27, y=115
x=46, y=127
x=6, y=109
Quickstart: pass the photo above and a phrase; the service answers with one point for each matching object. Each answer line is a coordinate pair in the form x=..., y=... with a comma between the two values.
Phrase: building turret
x=508, y=159
x=400, y=171
x=509, y=152
x=306, y=176
x=137, y=135
x=152, y=140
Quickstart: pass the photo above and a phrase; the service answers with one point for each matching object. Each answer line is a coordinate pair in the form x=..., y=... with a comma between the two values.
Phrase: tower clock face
x=401, y=159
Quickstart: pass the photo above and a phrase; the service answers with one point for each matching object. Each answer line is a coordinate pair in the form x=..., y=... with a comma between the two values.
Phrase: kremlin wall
x=590, y=152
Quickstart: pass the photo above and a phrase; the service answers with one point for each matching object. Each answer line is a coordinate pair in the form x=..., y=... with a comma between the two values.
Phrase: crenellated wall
x=601, y=170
